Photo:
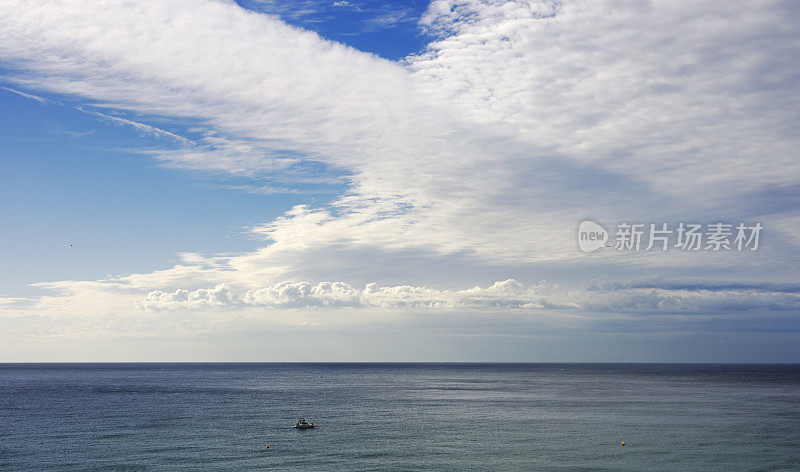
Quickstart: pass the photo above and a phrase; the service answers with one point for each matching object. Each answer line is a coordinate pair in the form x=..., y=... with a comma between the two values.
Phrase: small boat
x=303, y=424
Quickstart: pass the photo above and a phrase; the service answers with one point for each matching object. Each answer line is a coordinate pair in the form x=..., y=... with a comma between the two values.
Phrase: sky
x=399, y=181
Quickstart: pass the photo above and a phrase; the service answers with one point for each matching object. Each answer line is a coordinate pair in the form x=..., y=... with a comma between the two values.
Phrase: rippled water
x=566, y=417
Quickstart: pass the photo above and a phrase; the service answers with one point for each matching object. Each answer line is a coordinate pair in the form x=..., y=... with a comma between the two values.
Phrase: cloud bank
x=502, y=295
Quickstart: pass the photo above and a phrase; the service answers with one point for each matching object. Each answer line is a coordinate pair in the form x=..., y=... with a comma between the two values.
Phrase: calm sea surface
x=559, y=417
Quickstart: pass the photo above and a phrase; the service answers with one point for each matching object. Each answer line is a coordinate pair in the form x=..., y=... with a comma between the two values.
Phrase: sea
x=399, y=417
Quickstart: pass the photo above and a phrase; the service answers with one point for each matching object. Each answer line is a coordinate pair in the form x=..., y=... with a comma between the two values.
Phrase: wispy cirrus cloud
x=140, y=127
x=389, y=18
x=30, y=96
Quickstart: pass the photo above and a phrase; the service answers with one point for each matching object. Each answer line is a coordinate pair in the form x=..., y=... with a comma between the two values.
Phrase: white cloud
x=537, y=140
x=682, y=96
x=389, y=19
x=93, y=309
x=30, y=96
x=489, y=147
x=140, y=127
x=502, y=295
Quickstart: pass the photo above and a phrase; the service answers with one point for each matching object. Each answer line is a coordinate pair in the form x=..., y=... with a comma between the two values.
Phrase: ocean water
x=542, y=417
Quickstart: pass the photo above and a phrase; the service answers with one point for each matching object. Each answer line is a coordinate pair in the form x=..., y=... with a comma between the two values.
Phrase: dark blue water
x=559, y=417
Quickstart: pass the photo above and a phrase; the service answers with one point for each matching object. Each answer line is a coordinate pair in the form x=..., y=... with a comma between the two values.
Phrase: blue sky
x=388, y=29
x=85, y=204
x=395, y=181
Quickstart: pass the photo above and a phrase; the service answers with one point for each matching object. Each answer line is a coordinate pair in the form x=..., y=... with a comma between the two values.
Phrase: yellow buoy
x=622, y=443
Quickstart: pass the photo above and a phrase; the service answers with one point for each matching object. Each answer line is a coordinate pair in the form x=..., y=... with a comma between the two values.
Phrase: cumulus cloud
x=502, y=295
x=282, y=295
